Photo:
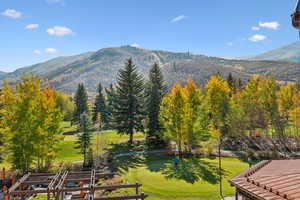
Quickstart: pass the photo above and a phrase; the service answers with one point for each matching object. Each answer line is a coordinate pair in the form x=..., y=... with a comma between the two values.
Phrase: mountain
x=48, y=66
x=289, y=52
x=102, y=66
x=2, y=75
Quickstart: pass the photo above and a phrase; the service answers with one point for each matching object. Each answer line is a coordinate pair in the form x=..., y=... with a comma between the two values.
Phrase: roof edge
x=252, y=170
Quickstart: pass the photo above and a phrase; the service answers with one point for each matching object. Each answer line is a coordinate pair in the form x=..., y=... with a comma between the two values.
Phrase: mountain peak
x=290, y=52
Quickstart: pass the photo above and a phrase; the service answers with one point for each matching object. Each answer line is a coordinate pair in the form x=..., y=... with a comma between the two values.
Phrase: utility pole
x=220, y=168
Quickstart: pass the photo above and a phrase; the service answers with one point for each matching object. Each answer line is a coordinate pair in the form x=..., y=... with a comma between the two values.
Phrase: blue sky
x=37, y=30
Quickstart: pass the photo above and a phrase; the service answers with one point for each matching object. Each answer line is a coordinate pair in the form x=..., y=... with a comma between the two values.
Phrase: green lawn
x=67, y=147
x=192, y=179
x=69, y=152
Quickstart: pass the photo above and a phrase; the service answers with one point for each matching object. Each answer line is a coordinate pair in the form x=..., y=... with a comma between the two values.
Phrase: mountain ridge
x=290, y=52
x=65, y=73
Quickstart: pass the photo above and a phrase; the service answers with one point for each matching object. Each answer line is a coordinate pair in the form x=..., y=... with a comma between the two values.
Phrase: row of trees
x=190, y=115
x=30, y=124
x=129, y=106
x=262, y=106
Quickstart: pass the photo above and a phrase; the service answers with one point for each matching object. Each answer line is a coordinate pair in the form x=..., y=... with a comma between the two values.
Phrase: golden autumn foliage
x=218, y=98
x=180, y=116
x=191, y=115
x=30, y=124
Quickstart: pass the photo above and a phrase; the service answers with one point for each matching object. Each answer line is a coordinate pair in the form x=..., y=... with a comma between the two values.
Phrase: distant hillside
x=49, y=66
x=289, y=52
x=102, y=66
x=2, y=75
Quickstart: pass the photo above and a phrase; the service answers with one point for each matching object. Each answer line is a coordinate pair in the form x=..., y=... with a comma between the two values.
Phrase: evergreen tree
x=298, y=84
x=84, y=138
x=155, y=91
x=100, y=107
x=232, y=82
x=81, y=105
x=90, y=158
x=239, y=83
x=110, y=94
x=128, y=102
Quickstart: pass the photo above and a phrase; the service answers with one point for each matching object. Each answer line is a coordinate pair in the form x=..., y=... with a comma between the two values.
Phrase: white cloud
x=179, y=18
x=59, y=31
x=135, y=45
x=31, y=26
x=229, y=43
x=270, y=25
x=50, y=51
x=255, y=28
x=37, y=52
x=257, y=38
x=12, y=13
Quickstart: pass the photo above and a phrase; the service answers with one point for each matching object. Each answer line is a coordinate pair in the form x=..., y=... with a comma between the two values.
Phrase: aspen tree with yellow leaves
x=30, y=124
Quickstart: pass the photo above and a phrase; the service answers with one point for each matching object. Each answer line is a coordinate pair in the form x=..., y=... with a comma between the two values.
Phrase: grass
x=41, y=197
x=67, y=147
x=192, y=179
x=68, y=151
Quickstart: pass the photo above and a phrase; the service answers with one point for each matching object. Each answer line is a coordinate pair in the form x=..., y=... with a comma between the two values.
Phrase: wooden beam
x=73, y=189
x=36, y=182
x=54, y=180
x=92, y=184
x=61, y=181
x=139, y=196
x=24, y=192
x=18, y=183
x=118, y=186
x=49, y=181
x=43, y=174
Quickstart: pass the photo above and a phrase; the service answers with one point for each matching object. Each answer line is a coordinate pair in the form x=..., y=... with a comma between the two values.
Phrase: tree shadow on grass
x=190, y=170
x=125, y=162
x=116, y=149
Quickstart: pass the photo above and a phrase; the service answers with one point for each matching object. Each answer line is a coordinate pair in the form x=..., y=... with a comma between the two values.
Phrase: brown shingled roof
x=276, y=179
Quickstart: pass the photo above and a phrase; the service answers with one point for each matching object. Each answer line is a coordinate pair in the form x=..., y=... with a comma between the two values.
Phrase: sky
x=32, y=31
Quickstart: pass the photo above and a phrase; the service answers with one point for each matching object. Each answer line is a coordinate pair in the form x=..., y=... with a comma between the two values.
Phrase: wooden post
x=236, y=194
x=12, y=180
x=3, y=176
x=137, y=188
x=48, y=195
x=142, y=196
x=6, y=197
x=81, y=192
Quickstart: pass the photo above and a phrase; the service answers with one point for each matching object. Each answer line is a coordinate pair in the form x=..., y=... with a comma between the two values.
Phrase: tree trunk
x=131, y=138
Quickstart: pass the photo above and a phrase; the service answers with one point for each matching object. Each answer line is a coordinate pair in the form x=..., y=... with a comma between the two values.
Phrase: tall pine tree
x=81, y=105
x=128, y=103
x=155, y=91
x=110, y=94
x=100, y=107
x=84, y=138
